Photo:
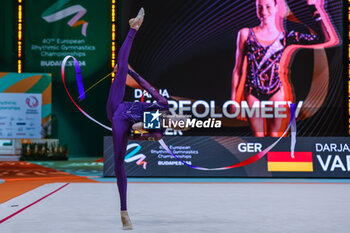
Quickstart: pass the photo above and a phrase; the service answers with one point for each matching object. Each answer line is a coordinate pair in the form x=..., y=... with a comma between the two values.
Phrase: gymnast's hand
x=313, y=2
x=138, y=126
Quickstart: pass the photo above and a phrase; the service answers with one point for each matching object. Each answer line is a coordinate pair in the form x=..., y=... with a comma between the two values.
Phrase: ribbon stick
x=81, y=97
x=77, y=74
x=292, y=123
x=77, y=70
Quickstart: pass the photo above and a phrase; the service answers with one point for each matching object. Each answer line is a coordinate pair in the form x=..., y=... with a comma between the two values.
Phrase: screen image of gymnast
x=257, y=74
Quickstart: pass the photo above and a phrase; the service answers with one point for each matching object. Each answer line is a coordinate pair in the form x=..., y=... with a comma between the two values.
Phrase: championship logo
x=134, y=156
x=55, y=13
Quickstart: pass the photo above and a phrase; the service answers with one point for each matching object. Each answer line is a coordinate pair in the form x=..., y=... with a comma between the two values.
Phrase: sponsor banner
x=32, y=83
x=20, y=115
x=314, y=157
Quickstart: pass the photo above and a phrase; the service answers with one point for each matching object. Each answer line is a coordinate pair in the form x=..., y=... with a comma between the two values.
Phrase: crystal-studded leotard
x=263, y=79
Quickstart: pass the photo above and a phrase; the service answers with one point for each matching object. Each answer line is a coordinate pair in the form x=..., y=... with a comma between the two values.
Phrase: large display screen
x=243, y=62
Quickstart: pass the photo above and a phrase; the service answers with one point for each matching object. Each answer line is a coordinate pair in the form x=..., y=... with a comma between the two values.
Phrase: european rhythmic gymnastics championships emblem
x=151, y=120
x=56, y=12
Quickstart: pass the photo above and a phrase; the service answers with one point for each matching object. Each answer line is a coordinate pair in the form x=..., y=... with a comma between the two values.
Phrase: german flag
x=283, y=162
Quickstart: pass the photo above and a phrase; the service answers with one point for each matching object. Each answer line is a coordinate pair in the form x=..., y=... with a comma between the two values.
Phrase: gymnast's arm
x=325, y=36
x=320, y=26
x=237, y=71
x=148, y=87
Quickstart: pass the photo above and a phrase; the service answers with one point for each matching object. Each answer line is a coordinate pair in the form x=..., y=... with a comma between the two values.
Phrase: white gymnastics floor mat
x=181, y=208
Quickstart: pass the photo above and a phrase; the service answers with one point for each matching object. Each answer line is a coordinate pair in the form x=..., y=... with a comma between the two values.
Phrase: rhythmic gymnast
x=257, y=73
x=127, y=116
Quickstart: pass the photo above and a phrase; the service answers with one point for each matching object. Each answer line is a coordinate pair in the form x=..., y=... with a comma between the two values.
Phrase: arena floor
x=68, y=203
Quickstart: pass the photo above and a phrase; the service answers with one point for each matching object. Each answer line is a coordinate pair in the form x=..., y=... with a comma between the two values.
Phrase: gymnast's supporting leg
x=120, y=131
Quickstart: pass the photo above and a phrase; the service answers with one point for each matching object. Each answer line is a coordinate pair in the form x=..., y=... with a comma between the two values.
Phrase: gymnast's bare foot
x=135, y=23
x=127, y=225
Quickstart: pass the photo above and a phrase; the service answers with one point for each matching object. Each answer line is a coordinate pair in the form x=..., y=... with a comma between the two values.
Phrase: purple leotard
x=124, y=114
